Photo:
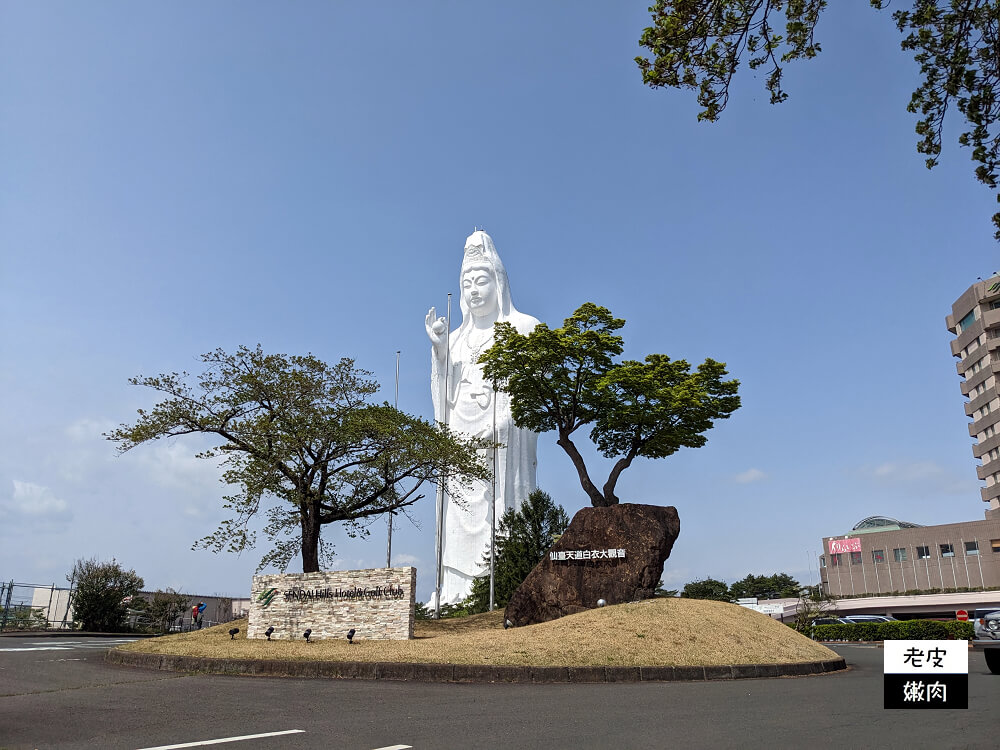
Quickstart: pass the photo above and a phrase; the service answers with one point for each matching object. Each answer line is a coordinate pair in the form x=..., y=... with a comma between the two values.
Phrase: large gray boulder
x=586, y=564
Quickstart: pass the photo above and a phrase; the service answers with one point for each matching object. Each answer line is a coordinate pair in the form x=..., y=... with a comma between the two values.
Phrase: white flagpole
x=493, y=510
x=439, y=561
x=388, y=549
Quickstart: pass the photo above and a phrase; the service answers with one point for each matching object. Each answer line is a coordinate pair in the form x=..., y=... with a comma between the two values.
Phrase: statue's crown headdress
x=475, y=251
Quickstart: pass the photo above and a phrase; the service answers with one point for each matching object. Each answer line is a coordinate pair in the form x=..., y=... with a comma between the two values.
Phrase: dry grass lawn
x=673, y=632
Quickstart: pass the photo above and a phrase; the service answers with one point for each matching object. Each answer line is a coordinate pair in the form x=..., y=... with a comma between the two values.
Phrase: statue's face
x=479, y=290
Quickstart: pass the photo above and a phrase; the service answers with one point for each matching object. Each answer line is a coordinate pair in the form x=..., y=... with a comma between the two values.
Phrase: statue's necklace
x=476, y=348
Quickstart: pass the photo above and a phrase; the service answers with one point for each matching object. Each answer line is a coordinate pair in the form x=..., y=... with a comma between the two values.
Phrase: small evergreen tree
x=775, y=586
x=101, y=595
x=664, y=593
x=164, y=608
x=708, y=588
x=523, y=538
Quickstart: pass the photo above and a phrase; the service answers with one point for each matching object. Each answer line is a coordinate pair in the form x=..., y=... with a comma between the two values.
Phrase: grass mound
x=668, y=632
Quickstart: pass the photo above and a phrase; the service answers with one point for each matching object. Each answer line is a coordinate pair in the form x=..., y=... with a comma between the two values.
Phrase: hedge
x=894, y=631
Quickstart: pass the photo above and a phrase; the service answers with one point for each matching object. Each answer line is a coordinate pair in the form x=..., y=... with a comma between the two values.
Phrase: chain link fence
x=29, y=606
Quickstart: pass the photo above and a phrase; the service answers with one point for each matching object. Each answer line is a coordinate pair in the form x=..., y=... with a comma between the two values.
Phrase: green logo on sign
x=267, y=596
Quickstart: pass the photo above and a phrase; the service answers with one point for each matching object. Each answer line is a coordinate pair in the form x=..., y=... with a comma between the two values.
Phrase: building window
x=972, y=548
x=838, y=559
x=967, y=321
x=923, y=553
x=855, y=558
x=899, y=555
x=878, y=555
x=995, y=545
x=947, y=550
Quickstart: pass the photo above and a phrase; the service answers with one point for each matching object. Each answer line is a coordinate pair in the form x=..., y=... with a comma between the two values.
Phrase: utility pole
x=493, y=510
x=439, y=551
x=388, y=549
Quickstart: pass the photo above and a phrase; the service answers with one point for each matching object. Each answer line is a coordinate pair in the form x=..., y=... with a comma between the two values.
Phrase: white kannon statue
x=471, y=406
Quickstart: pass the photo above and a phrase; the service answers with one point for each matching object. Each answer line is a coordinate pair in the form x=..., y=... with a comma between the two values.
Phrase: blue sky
x=179, y=177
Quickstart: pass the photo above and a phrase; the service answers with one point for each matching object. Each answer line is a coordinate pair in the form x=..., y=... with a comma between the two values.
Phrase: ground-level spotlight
x=268, y=632
x=350, y=635
x=232, y=633
x=507, y=624
x=601, y=602
x=307, y=634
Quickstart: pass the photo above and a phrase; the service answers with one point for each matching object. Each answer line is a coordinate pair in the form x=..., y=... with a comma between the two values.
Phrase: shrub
x=101, y=594
x=961, y=631
x=423, y=612
x=24, y=618
x=706, y=588
x=162, y=609
x=916, y=630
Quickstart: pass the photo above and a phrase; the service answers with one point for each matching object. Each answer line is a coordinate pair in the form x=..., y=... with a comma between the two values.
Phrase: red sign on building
x=837, y=546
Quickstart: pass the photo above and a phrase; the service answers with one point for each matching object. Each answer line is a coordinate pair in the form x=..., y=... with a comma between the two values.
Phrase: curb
x=409, y=672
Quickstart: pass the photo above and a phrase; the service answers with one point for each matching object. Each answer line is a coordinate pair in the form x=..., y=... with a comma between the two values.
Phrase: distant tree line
x=774, y=586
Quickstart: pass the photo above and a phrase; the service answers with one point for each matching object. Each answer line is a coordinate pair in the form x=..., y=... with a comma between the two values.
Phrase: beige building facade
x=975, y=321
x=882, y=555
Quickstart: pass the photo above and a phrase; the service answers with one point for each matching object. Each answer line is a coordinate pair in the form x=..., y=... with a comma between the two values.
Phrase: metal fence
x=30, y=606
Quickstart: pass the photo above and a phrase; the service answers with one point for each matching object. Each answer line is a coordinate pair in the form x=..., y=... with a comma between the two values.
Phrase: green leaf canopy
x=303, y=433
x=700, y=44
x=561, y=379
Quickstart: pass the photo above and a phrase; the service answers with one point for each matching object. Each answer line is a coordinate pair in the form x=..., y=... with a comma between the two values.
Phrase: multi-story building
x=883, y=555
x=975, y=321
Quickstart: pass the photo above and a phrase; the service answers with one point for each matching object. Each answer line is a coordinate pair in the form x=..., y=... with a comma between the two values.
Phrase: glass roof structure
x=883, y=523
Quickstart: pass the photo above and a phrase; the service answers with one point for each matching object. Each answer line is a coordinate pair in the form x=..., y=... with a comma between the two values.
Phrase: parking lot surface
x=65, y=696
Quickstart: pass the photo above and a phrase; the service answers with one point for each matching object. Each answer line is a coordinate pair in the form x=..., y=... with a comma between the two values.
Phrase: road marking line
x=225, y=739
x=69, y=646
x=59, y=642
x=394, y=747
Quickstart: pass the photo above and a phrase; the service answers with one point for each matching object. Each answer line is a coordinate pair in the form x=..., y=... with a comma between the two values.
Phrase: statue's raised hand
x=437, y=329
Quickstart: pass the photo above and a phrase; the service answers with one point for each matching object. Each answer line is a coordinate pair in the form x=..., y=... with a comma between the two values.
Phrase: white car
x=986, y=623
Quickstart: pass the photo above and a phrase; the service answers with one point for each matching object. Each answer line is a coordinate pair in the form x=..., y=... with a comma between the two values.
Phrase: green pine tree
x=523, y=538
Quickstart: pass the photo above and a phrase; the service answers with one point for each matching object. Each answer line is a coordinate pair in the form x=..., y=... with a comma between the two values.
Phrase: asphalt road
x=68, y=698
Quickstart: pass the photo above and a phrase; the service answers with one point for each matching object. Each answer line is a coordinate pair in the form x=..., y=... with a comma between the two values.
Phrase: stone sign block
x=615, y=554
x=379, y=604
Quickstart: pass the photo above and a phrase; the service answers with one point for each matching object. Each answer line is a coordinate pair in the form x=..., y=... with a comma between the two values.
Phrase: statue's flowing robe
x=470, y=410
